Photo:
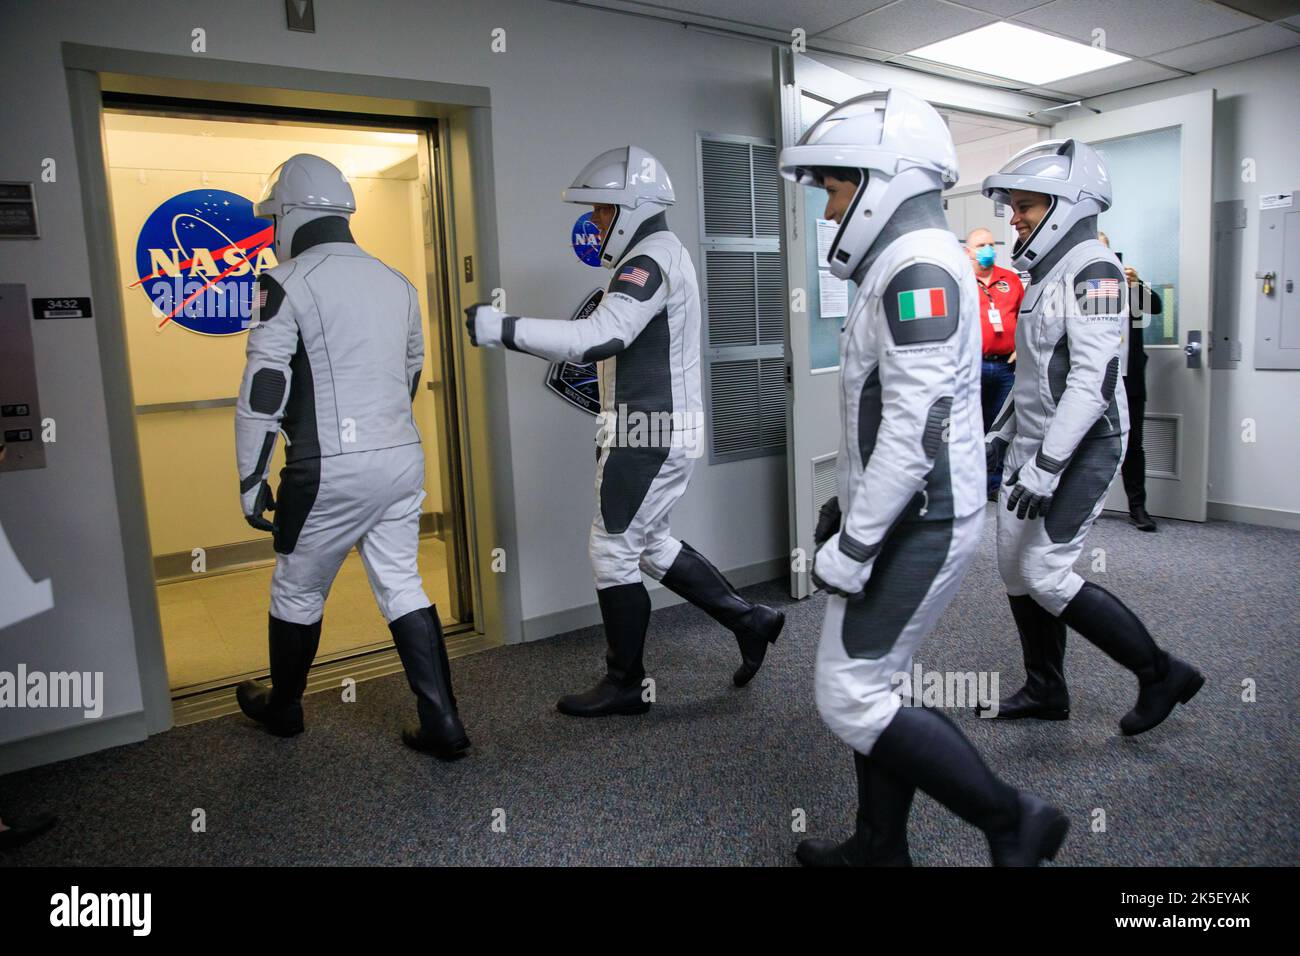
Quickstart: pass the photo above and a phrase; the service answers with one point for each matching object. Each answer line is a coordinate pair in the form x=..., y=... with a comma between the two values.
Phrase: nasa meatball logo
x=1002, y=286
x=198, y=257
x=586, y=240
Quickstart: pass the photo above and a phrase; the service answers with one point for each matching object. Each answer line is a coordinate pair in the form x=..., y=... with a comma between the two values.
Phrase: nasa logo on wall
x=577, y=383
x=586, y=240
x=198, y=257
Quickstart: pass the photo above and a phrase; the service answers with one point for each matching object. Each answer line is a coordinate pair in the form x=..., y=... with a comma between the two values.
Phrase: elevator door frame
x=437, y=308
x=465, y=171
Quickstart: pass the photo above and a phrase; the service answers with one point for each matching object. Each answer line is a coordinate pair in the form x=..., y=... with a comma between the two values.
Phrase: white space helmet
x=901, y=144
x=1068, y=171
x=302, y=188
x=631, y=180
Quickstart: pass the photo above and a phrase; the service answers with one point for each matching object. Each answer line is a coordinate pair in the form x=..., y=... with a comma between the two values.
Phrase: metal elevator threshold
x=190, y=705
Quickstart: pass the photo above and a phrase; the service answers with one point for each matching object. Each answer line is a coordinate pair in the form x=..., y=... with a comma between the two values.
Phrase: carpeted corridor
x=715, y=775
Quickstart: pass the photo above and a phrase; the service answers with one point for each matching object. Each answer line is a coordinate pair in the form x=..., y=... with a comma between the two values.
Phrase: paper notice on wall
x=834, y=295
x=826, y=229
x=1271, y=201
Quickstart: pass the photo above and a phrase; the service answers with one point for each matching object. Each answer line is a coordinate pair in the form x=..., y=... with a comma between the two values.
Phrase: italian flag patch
x=922, y=304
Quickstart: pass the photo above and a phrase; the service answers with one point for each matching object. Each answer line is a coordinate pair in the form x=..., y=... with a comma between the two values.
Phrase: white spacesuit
x=910, y=479
x=1063, y=430
x=334, y=352
x=645, y=337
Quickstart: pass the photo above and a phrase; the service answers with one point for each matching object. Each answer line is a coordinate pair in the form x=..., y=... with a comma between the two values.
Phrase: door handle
x=1193, y=349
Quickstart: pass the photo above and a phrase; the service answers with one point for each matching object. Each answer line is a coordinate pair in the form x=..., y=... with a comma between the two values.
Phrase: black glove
x=994, y=449
x=265, y=501
x=1026, y=504
x=828, y=520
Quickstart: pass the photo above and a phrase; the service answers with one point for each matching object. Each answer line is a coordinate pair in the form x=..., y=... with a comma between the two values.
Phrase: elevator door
x=189, y=249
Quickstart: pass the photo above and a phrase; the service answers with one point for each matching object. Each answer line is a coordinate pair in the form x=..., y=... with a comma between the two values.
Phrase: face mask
x=985, y=255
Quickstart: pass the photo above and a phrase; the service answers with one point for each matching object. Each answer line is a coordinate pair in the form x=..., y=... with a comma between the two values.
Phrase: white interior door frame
x=1174, y=389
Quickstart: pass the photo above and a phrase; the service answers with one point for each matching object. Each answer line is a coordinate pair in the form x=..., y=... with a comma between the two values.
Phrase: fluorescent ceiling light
x=1018, y=53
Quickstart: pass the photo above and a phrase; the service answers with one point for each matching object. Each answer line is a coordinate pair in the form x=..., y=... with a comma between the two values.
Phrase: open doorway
x=984, y=144
x=188, y=250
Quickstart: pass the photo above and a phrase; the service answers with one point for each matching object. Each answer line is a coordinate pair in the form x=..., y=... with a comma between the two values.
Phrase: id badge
x=995, y=319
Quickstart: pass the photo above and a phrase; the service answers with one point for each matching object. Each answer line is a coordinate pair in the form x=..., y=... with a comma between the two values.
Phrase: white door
x=1159, y=158
x=817, y=306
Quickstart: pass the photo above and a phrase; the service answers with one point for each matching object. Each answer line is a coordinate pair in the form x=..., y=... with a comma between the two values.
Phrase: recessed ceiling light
x=1018, y=53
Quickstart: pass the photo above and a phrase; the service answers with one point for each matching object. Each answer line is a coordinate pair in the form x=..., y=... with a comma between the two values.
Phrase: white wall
x=1257, y=115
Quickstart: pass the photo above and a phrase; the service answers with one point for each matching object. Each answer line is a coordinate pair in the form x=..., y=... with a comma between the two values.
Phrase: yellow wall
x=187, y=457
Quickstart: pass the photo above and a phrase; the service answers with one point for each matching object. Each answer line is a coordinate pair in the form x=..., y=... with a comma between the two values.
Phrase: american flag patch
x=1102, y=288
x=259, y=300
x=635, y=275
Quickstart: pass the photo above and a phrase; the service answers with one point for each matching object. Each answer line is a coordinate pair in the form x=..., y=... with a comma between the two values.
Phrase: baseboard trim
x=588, y=615
x=75, y=741
x=1248, y=514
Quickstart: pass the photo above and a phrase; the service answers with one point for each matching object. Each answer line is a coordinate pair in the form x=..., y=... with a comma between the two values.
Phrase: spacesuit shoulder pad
x=639, y=278
x=1099, y=286
x=922, y=303
x=266, y=310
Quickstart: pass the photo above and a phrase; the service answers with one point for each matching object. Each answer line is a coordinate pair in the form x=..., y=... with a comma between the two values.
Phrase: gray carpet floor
x=716, y=775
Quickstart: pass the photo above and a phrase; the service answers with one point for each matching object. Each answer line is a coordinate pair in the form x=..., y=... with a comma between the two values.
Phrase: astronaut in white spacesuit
x=911, y=480
x=335, y=348
x=1063, y=430
x=645, y=337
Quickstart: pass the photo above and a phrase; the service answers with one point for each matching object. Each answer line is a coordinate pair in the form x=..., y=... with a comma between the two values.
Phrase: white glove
x=1034, y=484
x=836, y=572
x=484, y=324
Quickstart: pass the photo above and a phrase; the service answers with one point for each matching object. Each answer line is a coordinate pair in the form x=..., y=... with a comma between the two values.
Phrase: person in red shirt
x=1000, y=295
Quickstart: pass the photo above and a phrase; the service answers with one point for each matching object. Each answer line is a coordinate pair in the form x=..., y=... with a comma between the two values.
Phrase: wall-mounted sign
x=62, y=307
x=18, y=212
x=577, y=383
x=586, y=240
x=198, y=257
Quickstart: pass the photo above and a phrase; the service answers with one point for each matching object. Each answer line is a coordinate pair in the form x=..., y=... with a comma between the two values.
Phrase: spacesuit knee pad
x=397, y=602
x=302, y=607
x=613, y=559
x=658, y=558
x=1054, y=588
x=1009, y=570
x=855, y=712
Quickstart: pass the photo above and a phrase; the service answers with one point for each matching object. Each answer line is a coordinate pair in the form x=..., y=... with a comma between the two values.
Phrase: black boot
x=925, y=749
x=279, y=707
x=755, y=625
x=418, y=636
x=1141, y=520
x=1164, y=680
x=880, y=839
x=1042, y=639
x=625, y=609
x=23, y=830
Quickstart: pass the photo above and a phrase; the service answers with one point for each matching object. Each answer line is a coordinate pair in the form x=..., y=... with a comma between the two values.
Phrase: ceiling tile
x=1114, y=78
x=813, y=16
x=825, y=42
x=1138, y=29
x=908, y=25
x=1231, y=49
x=1001, y=8
x=1265, y=9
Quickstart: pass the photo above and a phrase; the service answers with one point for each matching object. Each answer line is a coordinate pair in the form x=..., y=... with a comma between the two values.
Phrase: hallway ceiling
x=1164, y=38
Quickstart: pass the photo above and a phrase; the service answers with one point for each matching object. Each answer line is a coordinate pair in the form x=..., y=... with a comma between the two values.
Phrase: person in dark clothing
x=1143, y=300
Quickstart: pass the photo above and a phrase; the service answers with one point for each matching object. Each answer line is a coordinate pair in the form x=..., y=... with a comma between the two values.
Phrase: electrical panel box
x=1277, y=284
x=20, y=414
